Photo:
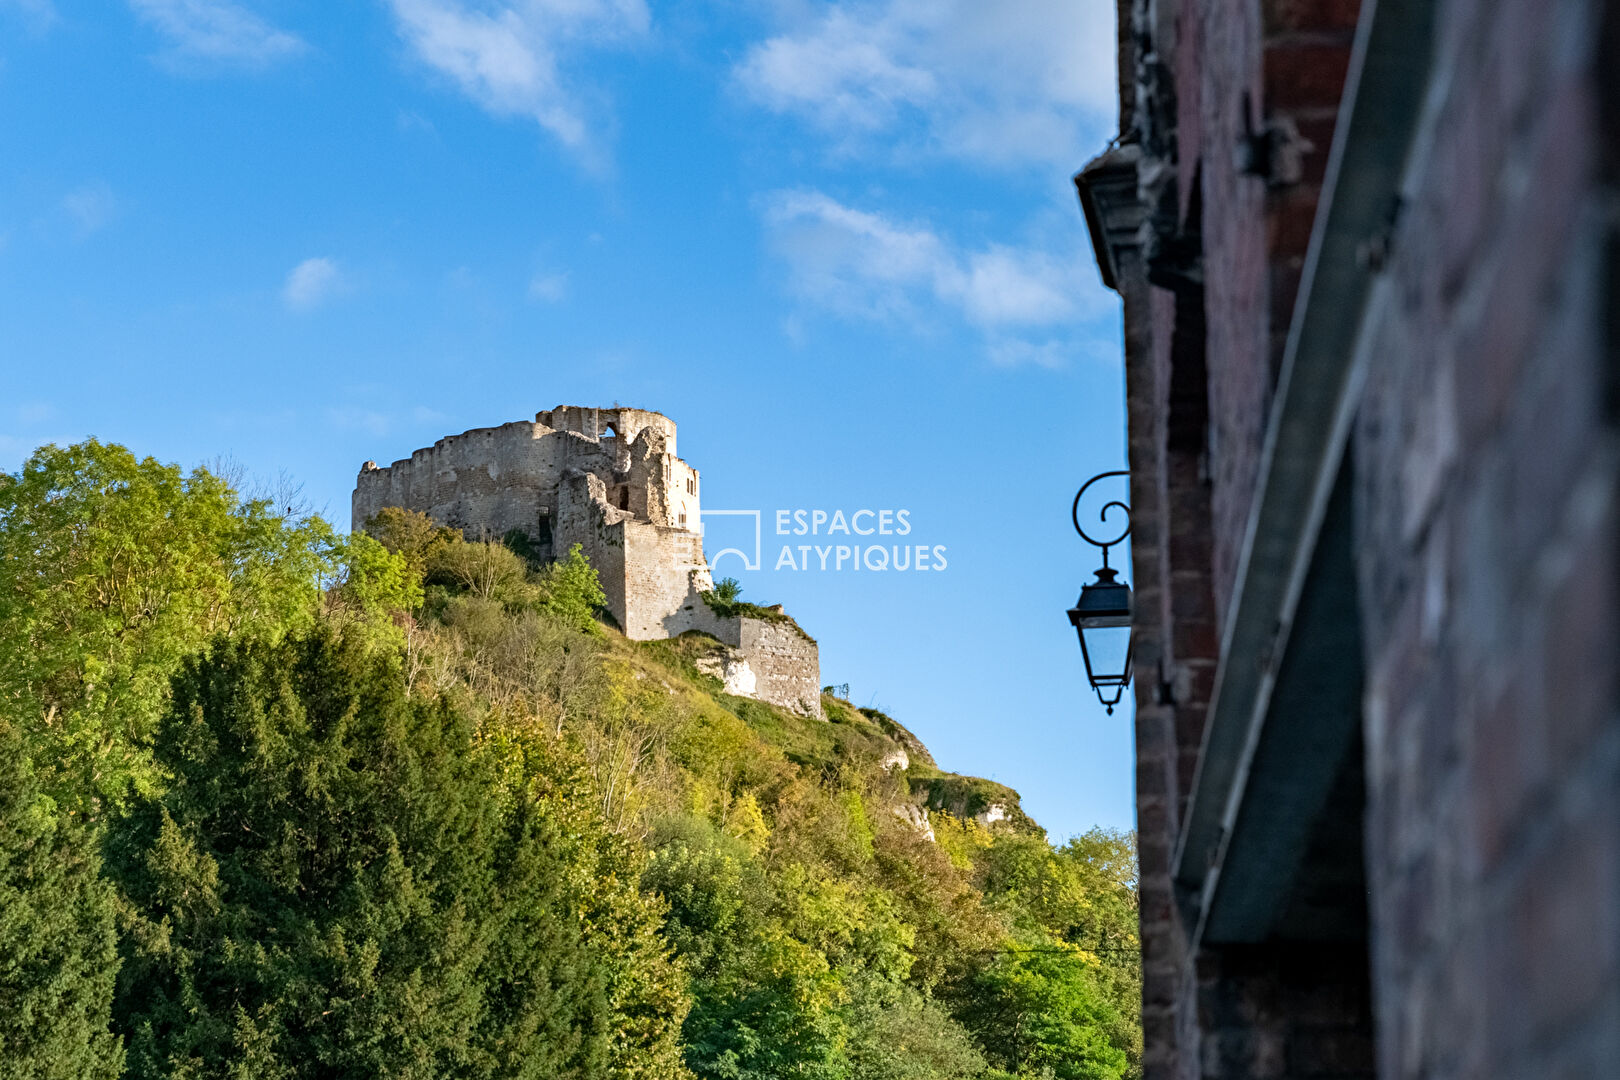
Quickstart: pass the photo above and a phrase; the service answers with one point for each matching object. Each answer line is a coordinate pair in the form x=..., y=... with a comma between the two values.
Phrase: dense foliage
x=58, y=944
x=396, y=804
x=341, y=878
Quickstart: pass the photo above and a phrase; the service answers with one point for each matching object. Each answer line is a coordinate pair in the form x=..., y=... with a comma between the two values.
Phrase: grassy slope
x=849, y=735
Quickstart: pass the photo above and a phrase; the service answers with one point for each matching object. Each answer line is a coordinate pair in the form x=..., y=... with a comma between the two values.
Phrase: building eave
x=1303, y=451
x=1107, y=187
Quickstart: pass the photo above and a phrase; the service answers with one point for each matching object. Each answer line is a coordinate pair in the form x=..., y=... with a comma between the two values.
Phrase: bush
x=412, y=534
x=487, y=569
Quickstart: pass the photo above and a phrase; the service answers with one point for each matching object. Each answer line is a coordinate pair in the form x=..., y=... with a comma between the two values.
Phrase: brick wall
x=1201, y=368
x=1486, y=520
x=1490, y=543
x=1298, y=1013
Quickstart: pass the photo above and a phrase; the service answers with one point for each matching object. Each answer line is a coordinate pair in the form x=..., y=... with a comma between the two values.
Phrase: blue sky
x=836, y=242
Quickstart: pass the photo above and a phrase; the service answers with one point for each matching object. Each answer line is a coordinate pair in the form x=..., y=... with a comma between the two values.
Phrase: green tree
x=727, y=590
x=412, y=534
x=1039, y=1009
x=375, y=590
x=337, y=882
x=58, y=941
x=112, y=570
x=571, y=590
x=487, y=569
x=1081, y=895
x=764, y=1002
x=896, y=1032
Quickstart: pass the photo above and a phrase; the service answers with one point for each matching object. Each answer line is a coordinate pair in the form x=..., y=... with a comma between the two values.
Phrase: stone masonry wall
x=497, y=479
x=608, y=480
x=786, y=663
x=664, y=571
x=783, y=665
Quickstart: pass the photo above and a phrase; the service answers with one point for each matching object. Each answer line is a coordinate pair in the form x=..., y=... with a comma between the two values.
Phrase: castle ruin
x=609, y=480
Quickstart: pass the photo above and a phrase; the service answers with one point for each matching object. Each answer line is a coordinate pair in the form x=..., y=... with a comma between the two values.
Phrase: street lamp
x=1102, y=616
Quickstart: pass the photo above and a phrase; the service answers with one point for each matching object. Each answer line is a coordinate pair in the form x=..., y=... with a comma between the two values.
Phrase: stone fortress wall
x=609, y=480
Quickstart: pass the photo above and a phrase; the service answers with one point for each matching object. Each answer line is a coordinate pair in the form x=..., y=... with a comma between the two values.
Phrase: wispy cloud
x=506, y=56
x=37, y=15
x=379, y=422
x=22, y=431
x=860, y=263
x=217, y=32
x=550, y=288
x=1003, y=83
x=90, y=207
x=33, y=412
x=311, y=283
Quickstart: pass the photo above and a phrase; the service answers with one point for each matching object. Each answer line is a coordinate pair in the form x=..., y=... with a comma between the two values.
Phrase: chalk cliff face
x=610, y=481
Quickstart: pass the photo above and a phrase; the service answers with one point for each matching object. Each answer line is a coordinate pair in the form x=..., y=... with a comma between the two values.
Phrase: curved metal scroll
x=1102, y=515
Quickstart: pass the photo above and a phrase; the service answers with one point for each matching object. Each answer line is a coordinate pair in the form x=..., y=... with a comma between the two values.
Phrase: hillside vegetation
x=278, y=802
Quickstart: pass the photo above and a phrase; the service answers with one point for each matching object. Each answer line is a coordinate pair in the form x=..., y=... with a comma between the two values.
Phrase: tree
x=899, y=1033
x=487, y=569
x=1082, y=895
x=727, y=590
x=338, y=882
x=764, y=1002
x=375, y=590
x=112, y=570
x=571, y=590
x=412, y=534
x=58, y=951
x=1038, y=1008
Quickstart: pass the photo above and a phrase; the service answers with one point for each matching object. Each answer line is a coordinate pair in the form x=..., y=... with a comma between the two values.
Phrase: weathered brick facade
x=1367, y=258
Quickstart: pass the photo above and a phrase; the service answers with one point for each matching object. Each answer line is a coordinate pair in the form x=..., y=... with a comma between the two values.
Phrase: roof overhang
x=1107, y=187
x=1286, y=698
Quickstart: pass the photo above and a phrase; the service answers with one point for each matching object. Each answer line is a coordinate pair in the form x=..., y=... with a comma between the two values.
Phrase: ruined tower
x=611, y=481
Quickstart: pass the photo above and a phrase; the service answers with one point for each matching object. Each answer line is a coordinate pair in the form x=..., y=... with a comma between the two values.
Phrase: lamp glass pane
x=1106, y=648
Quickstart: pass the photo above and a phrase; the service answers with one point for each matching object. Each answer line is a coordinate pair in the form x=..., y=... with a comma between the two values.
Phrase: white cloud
x=311, y=283
x=1015, y=352
x=217, y=31
x=1001, y=83
x=90, y=206
x=859, y=262
x=550, y=288
x=505, y=55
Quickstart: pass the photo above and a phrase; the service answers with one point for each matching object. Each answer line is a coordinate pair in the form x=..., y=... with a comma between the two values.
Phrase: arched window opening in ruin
x=624, y=498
